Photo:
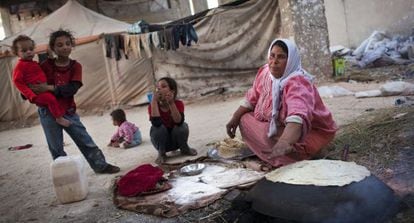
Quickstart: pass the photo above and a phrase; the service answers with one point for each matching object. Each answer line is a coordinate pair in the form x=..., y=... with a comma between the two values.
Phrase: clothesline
x=141, y=45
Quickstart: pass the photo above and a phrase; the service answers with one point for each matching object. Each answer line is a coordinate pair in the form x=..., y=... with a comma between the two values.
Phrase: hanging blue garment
x=139, y=27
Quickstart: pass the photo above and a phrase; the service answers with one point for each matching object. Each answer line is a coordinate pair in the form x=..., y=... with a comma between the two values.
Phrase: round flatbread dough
x=319, y=173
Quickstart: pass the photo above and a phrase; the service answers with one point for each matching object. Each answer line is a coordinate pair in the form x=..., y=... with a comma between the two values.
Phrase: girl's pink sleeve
x=299, y=99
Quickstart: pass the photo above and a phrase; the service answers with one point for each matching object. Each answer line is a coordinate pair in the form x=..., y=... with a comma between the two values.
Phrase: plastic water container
x=69, y=178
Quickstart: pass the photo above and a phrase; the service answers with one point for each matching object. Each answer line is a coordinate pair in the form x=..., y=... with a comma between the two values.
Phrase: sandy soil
x=26, y=190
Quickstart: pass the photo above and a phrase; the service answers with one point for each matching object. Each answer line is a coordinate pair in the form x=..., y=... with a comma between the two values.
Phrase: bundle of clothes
x=143, y=180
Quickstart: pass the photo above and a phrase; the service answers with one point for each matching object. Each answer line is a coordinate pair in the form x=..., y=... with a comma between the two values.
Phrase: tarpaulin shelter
x=106, y=81
x=232, y=45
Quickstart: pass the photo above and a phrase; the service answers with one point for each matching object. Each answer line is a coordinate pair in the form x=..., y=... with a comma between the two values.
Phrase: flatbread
x=232, y=177
x=229, y=148
x=319, y=173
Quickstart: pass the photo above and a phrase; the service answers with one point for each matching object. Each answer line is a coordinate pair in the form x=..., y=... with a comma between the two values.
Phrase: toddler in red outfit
x=27, y=72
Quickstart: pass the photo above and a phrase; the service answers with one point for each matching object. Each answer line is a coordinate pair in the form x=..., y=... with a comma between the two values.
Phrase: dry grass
x=374, y=139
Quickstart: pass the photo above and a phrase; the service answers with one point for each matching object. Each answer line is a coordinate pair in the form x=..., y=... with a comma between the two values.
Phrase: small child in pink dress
x=127, y=135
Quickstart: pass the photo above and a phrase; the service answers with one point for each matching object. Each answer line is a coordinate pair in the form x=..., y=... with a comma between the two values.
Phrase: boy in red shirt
x=28, y=72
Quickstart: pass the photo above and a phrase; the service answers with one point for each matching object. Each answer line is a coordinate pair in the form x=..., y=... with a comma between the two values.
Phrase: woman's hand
x=232, y=126
x=40, y=88
x=290, y=136
x=282, y=147
x=235, y=121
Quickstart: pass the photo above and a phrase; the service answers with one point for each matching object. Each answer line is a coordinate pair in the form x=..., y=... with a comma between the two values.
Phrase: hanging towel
x=126, y=45
x=135, y=46
x=155, y=39
x=145, y=44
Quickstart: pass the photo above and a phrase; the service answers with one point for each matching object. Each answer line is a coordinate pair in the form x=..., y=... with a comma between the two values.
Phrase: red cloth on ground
x=138, y=180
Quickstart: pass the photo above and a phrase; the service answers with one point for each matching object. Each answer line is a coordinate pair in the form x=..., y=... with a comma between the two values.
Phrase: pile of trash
x=378, y=50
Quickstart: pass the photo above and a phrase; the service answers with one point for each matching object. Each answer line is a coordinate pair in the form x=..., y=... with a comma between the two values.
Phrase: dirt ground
x=26, y=190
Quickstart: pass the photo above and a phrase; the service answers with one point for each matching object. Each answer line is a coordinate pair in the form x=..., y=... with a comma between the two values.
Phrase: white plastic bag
x=333, y=91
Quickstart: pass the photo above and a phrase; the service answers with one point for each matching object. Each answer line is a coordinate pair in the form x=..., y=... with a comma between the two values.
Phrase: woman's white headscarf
x=293, y=68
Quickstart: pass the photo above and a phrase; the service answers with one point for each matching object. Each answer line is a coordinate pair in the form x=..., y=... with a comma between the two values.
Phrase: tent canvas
x=106, y=82
x=72, y=16
x=233, y=42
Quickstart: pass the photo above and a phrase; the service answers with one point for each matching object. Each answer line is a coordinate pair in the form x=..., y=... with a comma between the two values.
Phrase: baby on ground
x=127, y=135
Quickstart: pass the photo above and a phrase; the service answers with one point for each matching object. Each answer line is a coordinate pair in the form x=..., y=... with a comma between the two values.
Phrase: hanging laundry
x=139, y=27
x=117, y=48
x=145, y=44
x=109, y=43
x=112, y=43
x=122, y=45
x=155, y=39
x=135, y=45
x=149, y=40
x=169, y=39
x=161, y=37
x=126, y=45
x=180, y=35
x=191, y=34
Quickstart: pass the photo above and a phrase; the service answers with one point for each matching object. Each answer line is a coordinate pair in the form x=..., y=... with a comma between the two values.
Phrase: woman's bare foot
x=63, y=122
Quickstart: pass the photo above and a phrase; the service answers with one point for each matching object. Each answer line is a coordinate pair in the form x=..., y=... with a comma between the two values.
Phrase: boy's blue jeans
x=78, y=133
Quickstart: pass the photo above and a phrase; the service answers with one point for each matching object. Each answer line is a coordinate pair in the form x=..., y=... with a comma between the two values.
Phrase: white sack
x=333, y=91
x=397, y=88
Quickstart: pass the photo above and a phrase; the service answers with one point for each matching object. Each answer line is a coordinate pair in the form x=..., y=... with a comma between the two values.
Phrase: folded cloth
x=141, y=179
x=13, y=148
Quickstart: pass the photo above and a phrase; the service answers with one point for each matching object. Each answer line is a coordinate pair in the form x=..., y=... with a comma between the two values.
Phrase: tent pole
x=108, y=74
x=15, y=94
